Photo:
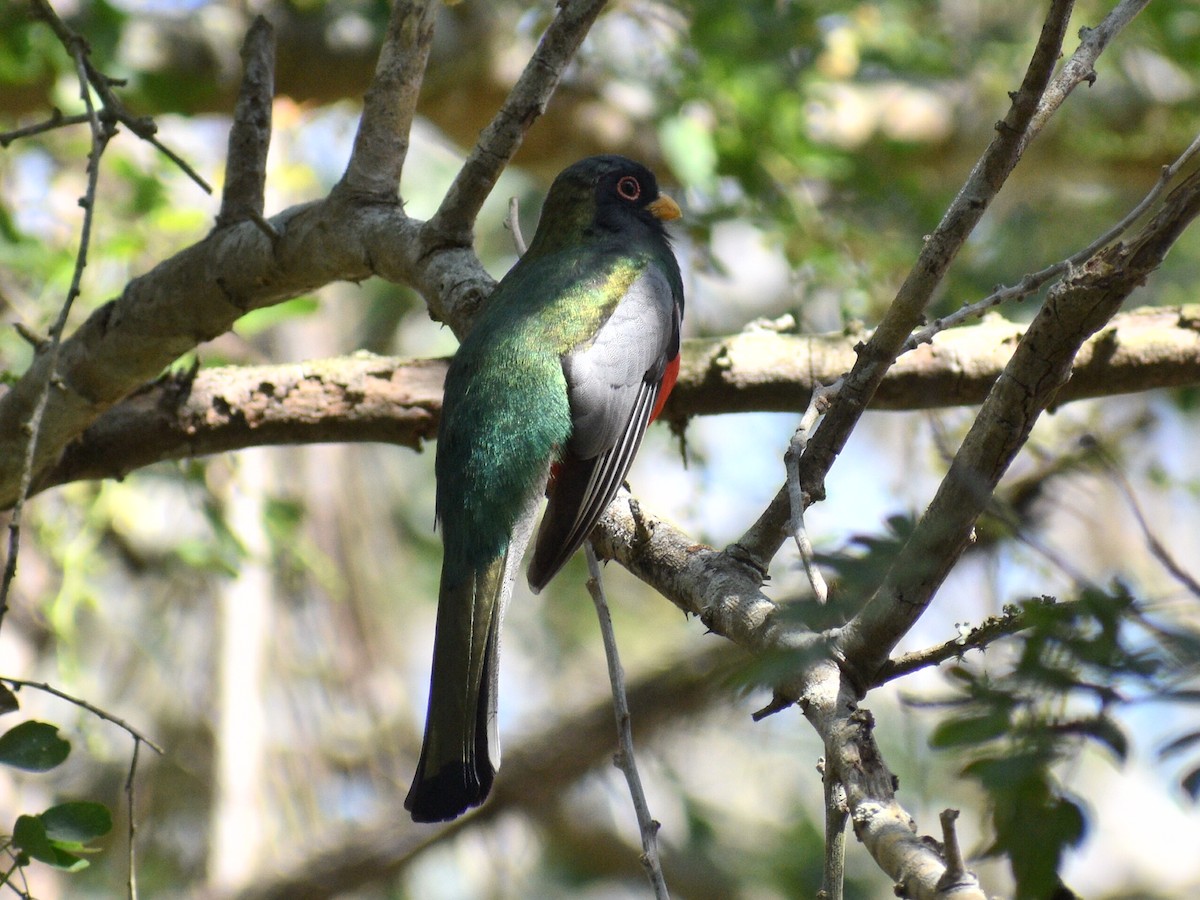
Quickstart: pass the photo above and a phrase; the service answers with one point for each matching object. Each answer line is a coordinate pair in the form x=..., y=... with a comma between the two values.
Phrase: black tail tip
x=448, y=794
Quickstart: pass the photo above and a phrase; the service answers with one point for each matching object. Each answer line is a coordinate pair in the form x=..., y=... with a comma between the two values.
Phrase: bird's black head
x=604, y=194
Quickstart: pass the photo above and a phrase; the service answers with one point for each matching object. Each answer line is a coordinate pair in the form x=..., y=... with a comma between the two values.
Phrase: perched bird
x=549, y=393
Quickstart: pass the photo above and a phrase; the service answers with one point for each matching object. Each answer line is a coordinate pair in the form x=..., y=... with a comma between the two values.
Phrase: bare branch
x=83, y=704
x=113, y=109
x=28, y=433
x=381, y=144
x=188, y=414
x=453, y=221
x=833, y=870
x=250, y=135
x=956, y=869
x=1012, y=620
x=1081, y=66
x=56, y=120
x=1033, y=282
x=131, y=339
x=907, y=309
x=1073, y=310
x=368, y=398
x=131, y=831
x=625, y=759
x=820, y=401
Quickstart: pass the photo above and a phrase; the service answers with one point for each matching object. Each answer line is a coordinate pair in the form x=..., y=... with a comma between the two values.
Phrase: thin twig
x=624, y=758
x=83, y=704
x=56, y=120
x=821, y=398
x=114, y=110
x=1081, y=66
x=513, y=224
x=131, y=882
x=1011, y=621
x=1157, y=549
x=102, y=132
x=956, y=870
x=1036, y=280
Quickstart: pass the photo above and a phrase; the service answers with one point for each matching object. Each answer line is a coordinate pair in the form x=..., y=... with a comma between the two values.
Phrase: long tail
x=456, y=766
x=461, y=751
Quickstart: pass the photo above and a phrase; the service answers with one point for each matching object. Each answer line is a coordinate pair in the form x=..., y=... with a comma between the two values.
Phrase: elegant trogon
x=549, y=394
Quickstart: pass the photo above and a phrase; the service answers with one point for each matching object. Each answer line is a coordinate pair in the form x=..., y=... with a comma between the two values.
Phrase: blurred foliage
x=1064, y=681
x=826, y=139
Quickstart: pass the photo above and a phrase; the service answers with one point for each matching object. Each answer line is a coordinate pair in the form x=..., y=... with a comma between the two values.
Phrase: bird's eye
x=629, y=188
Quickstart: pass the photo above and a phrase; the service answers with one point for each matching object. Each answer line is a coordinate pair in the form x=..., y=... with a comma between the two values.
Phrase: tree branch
x=1081, y=66
x=372, y=398
x=381, y=144
x=131, y=339
x=189, y=414
x=1074, y=310
x=764, y=539
x=455, y=217
x=250, y=134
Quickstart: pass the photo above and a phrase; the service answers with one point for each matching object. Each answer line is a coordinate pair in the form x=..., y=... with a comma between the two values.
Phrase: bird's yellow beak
x=665, y=208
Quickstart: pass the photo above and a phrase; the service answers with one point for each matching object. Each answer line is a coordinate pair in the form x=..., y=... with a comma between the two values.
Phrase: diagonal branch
x=132, y=338
x=28, y=435
x=381, y=144
x=1081, y=66
x=1074, y=310
x=113, y=109
x=453, y=221
x=766, y=536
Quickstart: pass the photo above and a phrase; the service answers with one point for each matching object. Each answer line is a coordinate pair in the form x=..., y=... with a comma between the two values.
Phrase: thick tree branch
x=200, y=292
x=764, y=539
x=381, y=143
x=453, y=222
x=188, y=414
x=1074, y=310
x=368, y=398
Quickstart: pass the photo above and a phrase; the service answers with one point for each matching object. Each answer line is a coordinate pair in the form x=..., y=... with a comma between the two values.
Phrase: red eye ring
x=629, y=188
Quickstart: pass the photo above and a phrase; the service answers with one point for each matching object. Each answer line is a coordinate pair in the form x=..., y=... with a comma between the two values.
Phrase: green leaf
x=77, y=822
x=29, y=835
x=8, y=700
x=33, y=746
x=31, y=838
